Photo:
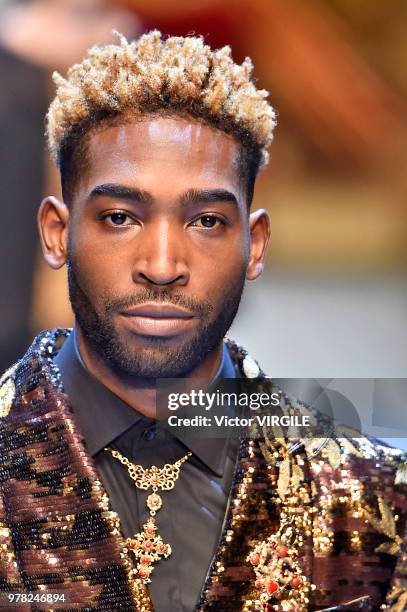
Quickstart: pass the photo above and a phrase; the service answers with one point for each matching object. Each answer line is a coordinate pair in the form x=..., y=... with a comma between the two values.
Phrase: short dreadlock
x=152, y=75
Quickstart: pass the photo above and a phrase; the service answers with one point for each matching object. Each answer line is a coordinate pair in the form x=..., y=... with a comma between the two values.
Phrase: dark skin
x=159, y=206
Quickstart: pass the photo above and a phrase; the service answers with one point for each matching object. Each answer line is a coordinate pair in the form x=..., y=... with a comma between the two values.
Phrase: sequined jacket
x=307, y=527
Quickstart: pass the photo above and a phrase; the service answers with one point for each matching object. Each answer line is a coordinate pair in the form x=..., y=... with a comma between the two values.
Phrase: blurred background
x=333, y=300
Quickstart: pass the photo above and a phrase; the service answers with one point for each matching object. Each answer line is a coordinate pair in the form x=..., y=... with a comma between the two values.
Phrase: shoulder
x=338, y=456
x=36, y=364
x=328, y=440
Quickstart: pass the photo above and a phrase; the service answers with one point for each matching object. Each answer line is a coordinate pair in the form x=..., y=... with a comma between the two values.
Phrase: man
x=159, y=143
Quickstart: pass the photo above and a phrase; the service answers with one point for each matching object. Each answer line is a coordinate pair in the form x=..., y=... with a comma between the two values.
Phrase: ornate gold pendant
x=147, y=548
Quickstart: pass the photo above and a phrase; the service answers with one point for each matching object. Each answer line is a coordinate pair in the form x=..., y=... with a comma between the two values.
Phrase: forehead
x=163, y=152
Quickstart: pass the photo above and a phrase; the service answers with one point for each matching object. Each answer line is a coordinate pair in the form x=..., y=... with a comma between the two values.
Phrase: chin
x=134, y=343
x=152, y=356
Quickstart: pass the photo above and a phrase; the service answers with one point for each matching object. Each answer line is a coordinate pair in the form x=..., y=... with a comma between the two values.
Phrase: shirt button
x=149, y=433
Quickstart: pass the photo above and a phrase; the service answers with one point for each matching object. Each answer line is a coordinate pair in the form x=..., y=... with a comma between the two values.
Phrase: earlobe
x=53, y=219
x=256, y=270
x=260, y=232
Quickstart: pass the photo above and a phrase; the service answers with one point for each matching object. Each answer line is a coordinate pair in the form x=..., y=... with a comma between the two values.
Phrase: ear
x=260, y=231
x=53, y=220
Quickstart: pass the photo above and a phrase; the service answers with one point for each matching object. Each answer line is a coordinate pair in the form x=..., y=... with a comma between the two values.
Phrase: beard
x=157, y=357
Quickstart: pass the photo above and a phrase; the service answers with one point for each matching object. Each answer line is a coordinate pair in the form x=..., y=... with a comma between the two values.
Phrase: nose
x=162, y=255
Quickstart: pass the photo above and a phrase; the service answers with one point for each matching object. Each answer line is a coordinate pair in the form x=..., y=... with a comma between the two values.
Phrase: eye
x=118, y=219
x=208, y=222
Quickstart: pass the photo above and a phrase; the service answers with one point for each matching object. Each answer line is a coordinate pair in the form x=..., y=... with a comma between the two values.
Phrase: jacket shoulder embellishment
x=7, y=391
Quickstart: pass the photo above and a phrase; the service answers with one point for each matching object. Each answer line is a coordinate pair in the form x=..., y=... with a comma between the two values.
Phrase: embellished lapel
x=57, y=522
x=252, y=517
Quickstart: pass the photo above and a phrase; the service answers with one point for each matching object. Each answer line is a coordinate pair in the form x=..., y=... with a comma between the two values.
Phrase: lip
x=159, y=319
x=158, y=311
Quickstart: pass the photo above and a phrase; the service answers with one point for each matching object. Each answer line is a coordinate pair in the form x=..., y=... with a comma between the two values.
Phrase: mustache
x=158, y=297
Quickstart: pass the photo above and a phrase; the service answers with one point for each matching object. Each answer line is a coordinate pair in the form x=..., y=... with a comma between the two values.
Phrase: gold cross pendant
x=147, y=547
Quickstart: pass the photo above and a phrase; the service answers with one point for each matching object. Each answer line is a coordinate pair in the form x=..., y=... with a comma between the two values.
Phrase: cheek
x=220, y=273
x=92, y=275
x=233, y=257
x=100, y=263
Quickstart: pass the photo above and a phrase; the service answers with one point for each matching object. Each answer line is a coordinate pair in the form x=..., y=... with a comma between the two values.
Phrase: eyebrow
x=206, y=196
x=192, y=196
x=120, y=192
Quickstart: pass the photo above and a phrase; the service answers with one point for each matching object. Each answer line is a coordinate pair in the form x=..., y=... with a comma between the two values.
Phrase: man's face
x=159, y=244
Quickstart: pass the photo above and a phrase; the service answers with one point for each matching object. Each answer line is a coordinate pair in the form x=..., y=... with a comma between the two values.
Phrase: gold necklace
x=148, y=547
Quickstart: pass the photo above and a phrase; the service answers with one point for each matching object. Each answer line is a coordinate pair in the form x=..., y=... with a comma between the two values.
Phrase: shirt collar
x=102, y=416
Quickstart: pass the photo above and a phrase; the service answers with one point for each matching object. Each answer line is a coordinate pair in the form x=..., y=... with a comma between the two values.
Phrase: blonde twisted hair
x=151, y=74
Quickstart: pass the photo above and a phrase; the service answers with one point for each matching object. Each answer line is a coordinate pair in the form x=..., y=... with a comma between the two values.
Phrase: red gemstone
x=162, y=548
x=272, y=587
x=296, y=581
x=273, y=544
x=144, y=560
x=282, y=551
x=148, y=545
x=149, y=531
x=142, y=573
x=255, y=559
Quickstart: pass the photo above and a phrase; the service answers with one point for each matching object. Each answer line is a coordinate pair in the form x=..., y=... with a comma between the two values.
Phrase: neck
x=139, y=393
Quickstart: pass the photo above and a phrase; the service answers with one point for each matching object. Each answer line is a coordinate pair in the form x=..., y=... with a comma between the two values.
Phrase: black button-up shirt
x=192, y=514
